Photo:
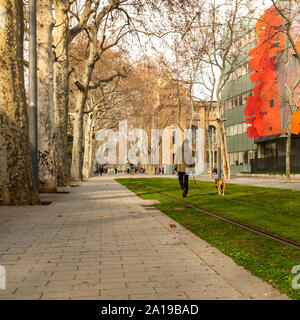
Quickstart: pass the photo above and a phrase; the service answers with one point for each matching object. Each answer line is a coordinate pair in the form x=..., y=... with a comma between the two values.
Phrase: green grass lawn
x=274, y=210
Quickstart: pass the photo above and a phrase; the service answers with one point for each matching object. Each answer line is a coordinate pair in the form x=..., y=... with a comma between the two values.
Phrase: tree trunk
x=76, y=167
x=82, y=95
x=87, y=148
x=61, y=91
x=209, y=140
x=221, y=130
x=288, y=147
x=214, y=160
x=224, y=154
x=209, y=155
x=17, y=185
x=46, y=132
x=92, y=158
x=291, y=96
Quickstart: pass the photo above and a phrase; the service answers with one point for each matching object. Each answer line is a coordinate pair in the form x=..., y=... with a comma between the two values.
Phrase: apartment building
x=241, y=148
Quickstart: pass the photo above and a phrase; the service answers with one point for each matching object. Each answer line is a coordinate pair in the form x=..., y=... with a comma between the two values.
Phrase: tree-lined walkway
x=101, y=241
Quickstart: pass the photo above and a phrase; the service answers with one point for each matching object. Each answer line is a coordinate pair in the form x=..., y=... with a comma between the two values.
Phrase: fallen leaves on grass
x=179, y=208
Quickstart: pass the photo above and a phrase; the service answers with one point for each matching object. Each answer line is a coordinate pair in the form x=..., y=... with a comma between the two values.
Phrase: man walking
x=183, y=165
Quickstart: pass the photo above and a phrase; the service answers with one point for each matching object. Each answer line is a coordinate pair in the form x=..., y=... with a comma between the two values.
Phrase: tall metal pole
x=33, y=89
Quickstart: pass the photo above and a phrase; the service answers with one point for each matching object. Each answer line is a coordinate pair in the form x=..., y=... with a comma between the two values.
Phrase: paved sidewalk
x=100, y=241
x=268, y=182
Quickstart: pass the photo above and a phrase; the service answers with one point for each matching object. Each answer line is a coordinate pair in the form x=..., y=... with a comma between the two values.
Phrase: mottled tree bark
x=17, y=185
x=82, y=95
x=288, y=149
x=87, y=147
x=209, y=141
x=224, y=152
x=46, y=130
x=61, y=91
x=76, y=167
x=221, y=129
x=92, y=158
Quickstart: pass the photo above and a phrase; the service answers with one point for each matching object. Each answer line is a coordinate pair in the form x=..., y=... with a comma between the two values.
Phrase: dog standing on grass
x=220, y=185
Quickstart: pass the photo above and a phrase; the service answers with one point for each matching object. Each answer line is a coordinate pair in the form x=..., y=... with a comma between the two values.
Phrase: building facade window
x=235, y=129
x=241, y=158
x=231, y=161
x=239, y=72
x=246, y=157
x=173, y=137
x=194, y=134
x=236, y=158
x=212, y=132
x=240, y=100
x=237, y=101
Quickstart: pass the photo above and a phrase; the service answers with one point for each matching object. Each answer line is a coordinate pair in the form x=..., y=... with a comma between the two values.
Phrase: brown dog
x=220, y=185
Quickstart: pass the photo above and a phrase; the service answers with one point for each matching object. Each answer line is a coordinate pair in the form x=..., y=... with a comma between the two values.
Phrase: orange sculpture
x=263, y=107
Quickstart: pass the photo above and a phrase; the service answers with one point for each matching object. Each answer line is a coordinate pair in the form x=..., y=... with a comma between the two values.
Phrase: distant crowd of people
x=159, y=170
x=104, y=170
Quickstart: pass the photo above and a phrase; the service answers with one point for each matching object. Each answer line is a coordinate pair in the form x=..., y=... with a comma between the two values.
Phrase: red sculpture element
x=263, y=106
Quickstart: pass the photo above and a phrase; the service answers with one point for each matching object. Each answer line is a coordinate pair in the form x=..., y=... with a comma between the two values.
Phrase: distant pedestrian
x=101, y=171
x=116, y=170
x=182, y=167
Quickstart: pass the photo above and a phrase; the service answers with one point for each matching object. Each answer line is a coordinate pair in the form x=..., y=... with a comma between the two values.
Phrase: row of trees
x=97, y=25
x=88, y=68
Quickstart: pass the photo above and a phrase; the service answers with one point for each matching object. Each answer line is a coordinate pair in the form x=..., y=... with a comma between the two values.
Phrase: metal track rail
x=231, y=221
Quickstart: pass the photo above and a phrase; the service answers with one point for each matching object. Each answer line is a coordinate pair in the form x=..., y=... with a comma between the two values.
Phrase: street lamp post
x=33, y=89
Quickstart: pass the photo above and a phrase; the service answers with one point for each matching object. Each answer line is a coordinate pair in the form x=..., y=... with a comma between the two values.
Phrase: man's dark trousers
x=183, y=181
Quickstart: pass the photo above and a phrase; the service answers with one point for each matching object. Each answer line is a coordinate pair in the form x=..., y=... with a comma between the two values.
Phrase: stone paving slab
x=100, y=242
